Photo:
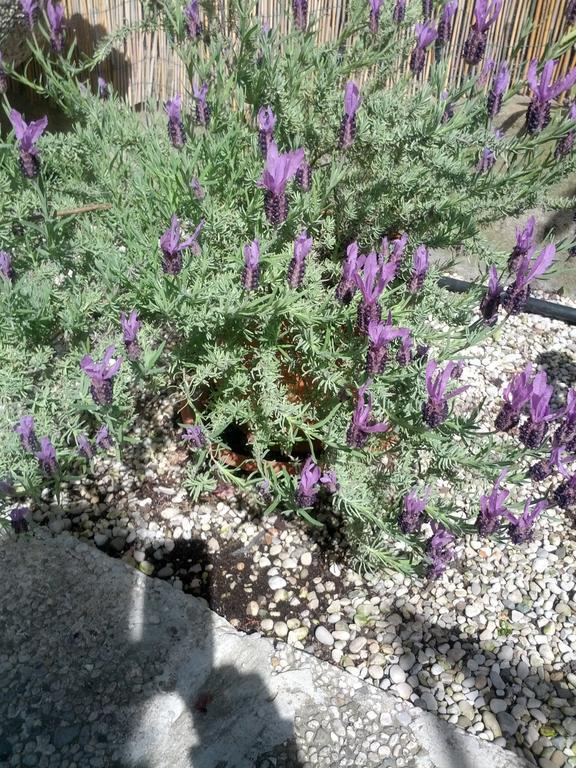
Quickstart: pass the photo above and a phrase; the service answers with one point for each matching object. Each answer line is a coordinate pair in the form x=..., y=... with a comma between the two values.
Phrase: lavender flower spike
x=500, y=85
x=103, y=88
x=103, y=438
x=565, y=494
x=101, y=375
x=30, y=8
x=172, y=249
x=566, y=430
x=524, y=242
x=203, y=110
x=419, y=269
x=6, y=266
x=277, y=172
x=375, y=277
x=28, y=135
x=517, y=294
x=195, y=435
x=192, y=18
x=359, y=428
x=522, y=529
x=446, y=21
x=425, y=36
x=380, y=335
x=533, y=430
x=438, y=549
x=565, y=145
x=330, y=481
x=347, y=286
x=571, y=12
x=491, y=300
x=3, y=76
x=304, y=176
x=538, y=115
x=308, y=484
x=348, y=124
x=411, y=519
x=399, y=12
x=55, y=13
x=485, y=73
x=130, y=327
x=18, y=519
x=492, y=507
x=544, y=468
x=84, y=447
x=251, y=274
x=266, y=123
x=197, y=188
x=435, y=409
x=516, y=394
x=427, y=9
x=486, y=161
x=173, y=109
x=375, y=6
x=47, y=457
x=485, y=14
x=300, y=10
x=297, y=266
x=26, y=431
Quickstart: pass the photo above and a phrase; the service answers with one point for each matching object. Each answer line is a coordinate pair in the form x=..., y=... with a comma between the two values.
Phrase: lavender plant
x=274, y=270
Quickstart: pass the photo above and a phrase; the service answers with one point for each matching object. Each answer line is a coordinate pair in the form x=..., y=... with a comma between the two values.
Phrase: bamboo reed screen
x=142, y=67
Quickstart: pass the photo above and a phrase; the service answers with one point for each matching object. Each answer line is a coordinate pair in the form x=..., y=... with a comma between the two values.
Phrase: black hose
x=534, y=306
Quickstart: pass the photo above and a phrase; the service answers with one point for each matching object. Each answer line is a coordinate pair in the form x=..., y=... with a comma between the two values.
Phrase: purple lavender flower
x=485, y=73
x=419, y=269
x=524, y=242
x=438, y=549
x=499, y=87
x=300, y=10
x=399, y=12
x=55, y=13
x=404, y=354
x=30, y=8
x=380, y=335
x=6, y=487
x=251, y=274
x=84, y=447
x=565, y=145
x=427, y=9
x=566, y=431
x=197, y=188
x=375, y=7
x=486, y=161
x=172, y=249
x=348, y=124
x=192, y=18
x=425, y=35
x=347, y=286
x=521, y=529
x=25, y=429
x=130, y=327
x=3, y=76
x=6, y=266
x=101, y=375
x=571, y=12
x=491, y=300
x=277, y=172
x=413, y=508
x=517, y=294
x=330, y=481
x=103, y=88
x=266, y=123
x=297, y=266
x=18, y=520
x=485, y=14
x=516, y=395
x=304, y=176
x=308, y=488
x=448, y=113
x=374, y=278
x=492, y=507
x=359, y=428
x=195, y=436
x=103, y=438
x=47, y=457
x=544, y=468
x=435, y=409
x=203, y=110
x=538, y=114
x=533, y=430
x=264, y=491
x=173, y=109
x=446, y=22
x=27, y=135
x=565, y=494
x=397, y=251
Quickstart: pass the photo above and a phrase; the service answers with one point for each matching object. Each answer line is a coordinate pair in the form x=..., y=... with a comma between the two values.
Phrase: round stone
x=280, y=628
x=306, y=559
x=376, y=672
x=252, y=608
x=323, y=635
x=397, y=674
x=276, y=582
x=357, y=644
x=267, y=625
x=507, y=723
x=406, y=661
x=403, y=690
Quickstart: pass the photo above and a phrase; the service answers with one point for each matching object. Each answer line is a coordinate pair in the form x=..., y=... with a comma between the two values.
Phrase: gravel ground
x=490, y=647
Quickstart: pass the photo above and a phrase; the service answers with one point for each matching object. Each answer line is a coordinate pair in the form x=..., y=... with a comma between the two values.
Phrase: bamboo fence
x=143, y=68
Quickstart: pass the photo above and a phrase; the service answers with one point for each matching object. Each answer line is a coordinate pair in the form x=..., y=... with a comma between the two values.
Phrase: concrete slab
x=102, y=666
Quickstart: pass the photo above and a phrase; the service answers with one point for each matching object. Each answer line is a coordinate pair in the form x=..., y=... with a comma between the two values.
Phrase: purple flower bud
x=3, y=76
x=566, y=431
x=266, y=123
x=374, y=278
x=359, y=428
x=55, y=14
x=516, y=395
x=427, y=9
x=103, y=89
x=425, y=36
x=308, y=488
x=435, y=409
x=571, y=12
x=130, y=327
x=104, y=439
x=399, y=12
x=173, y=109
x=172, y=249
x=486, y=161
x=524, y=242
x=300, y=10
x=84, y=447
x=203, y=110
x=297, y=266
x=565, y=145
x=30, y=8
x=101, y=375
x=192, y=18
x=6, y=487
x=330, y=481
x=47, y=457
x=380, y=335
x=492, y=507
x=522, y=529
x=264, y=491
x=419, y=269
x=6, y=266
x=18, y=520
x=499, y=87
x=491, y=300
x=438, y=550
x=347, y=286
x=26, y=430
x=195, y=436
x=348, y=125
x=279, y=169
x=375, y=6
x=412, y=515
x=197, y=188
x=565, y=494
x=543, y=92
x=533, y=430
x=446, y=22
x=304, y=176
x=27, y=135
x=251, y=274
x=517, y=294
x=404, y=354
x=485, y=14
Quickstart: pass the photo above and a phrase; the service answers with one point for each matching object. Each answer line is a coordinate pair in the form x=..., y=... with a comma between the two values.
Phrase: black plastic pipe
x=534, y=306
